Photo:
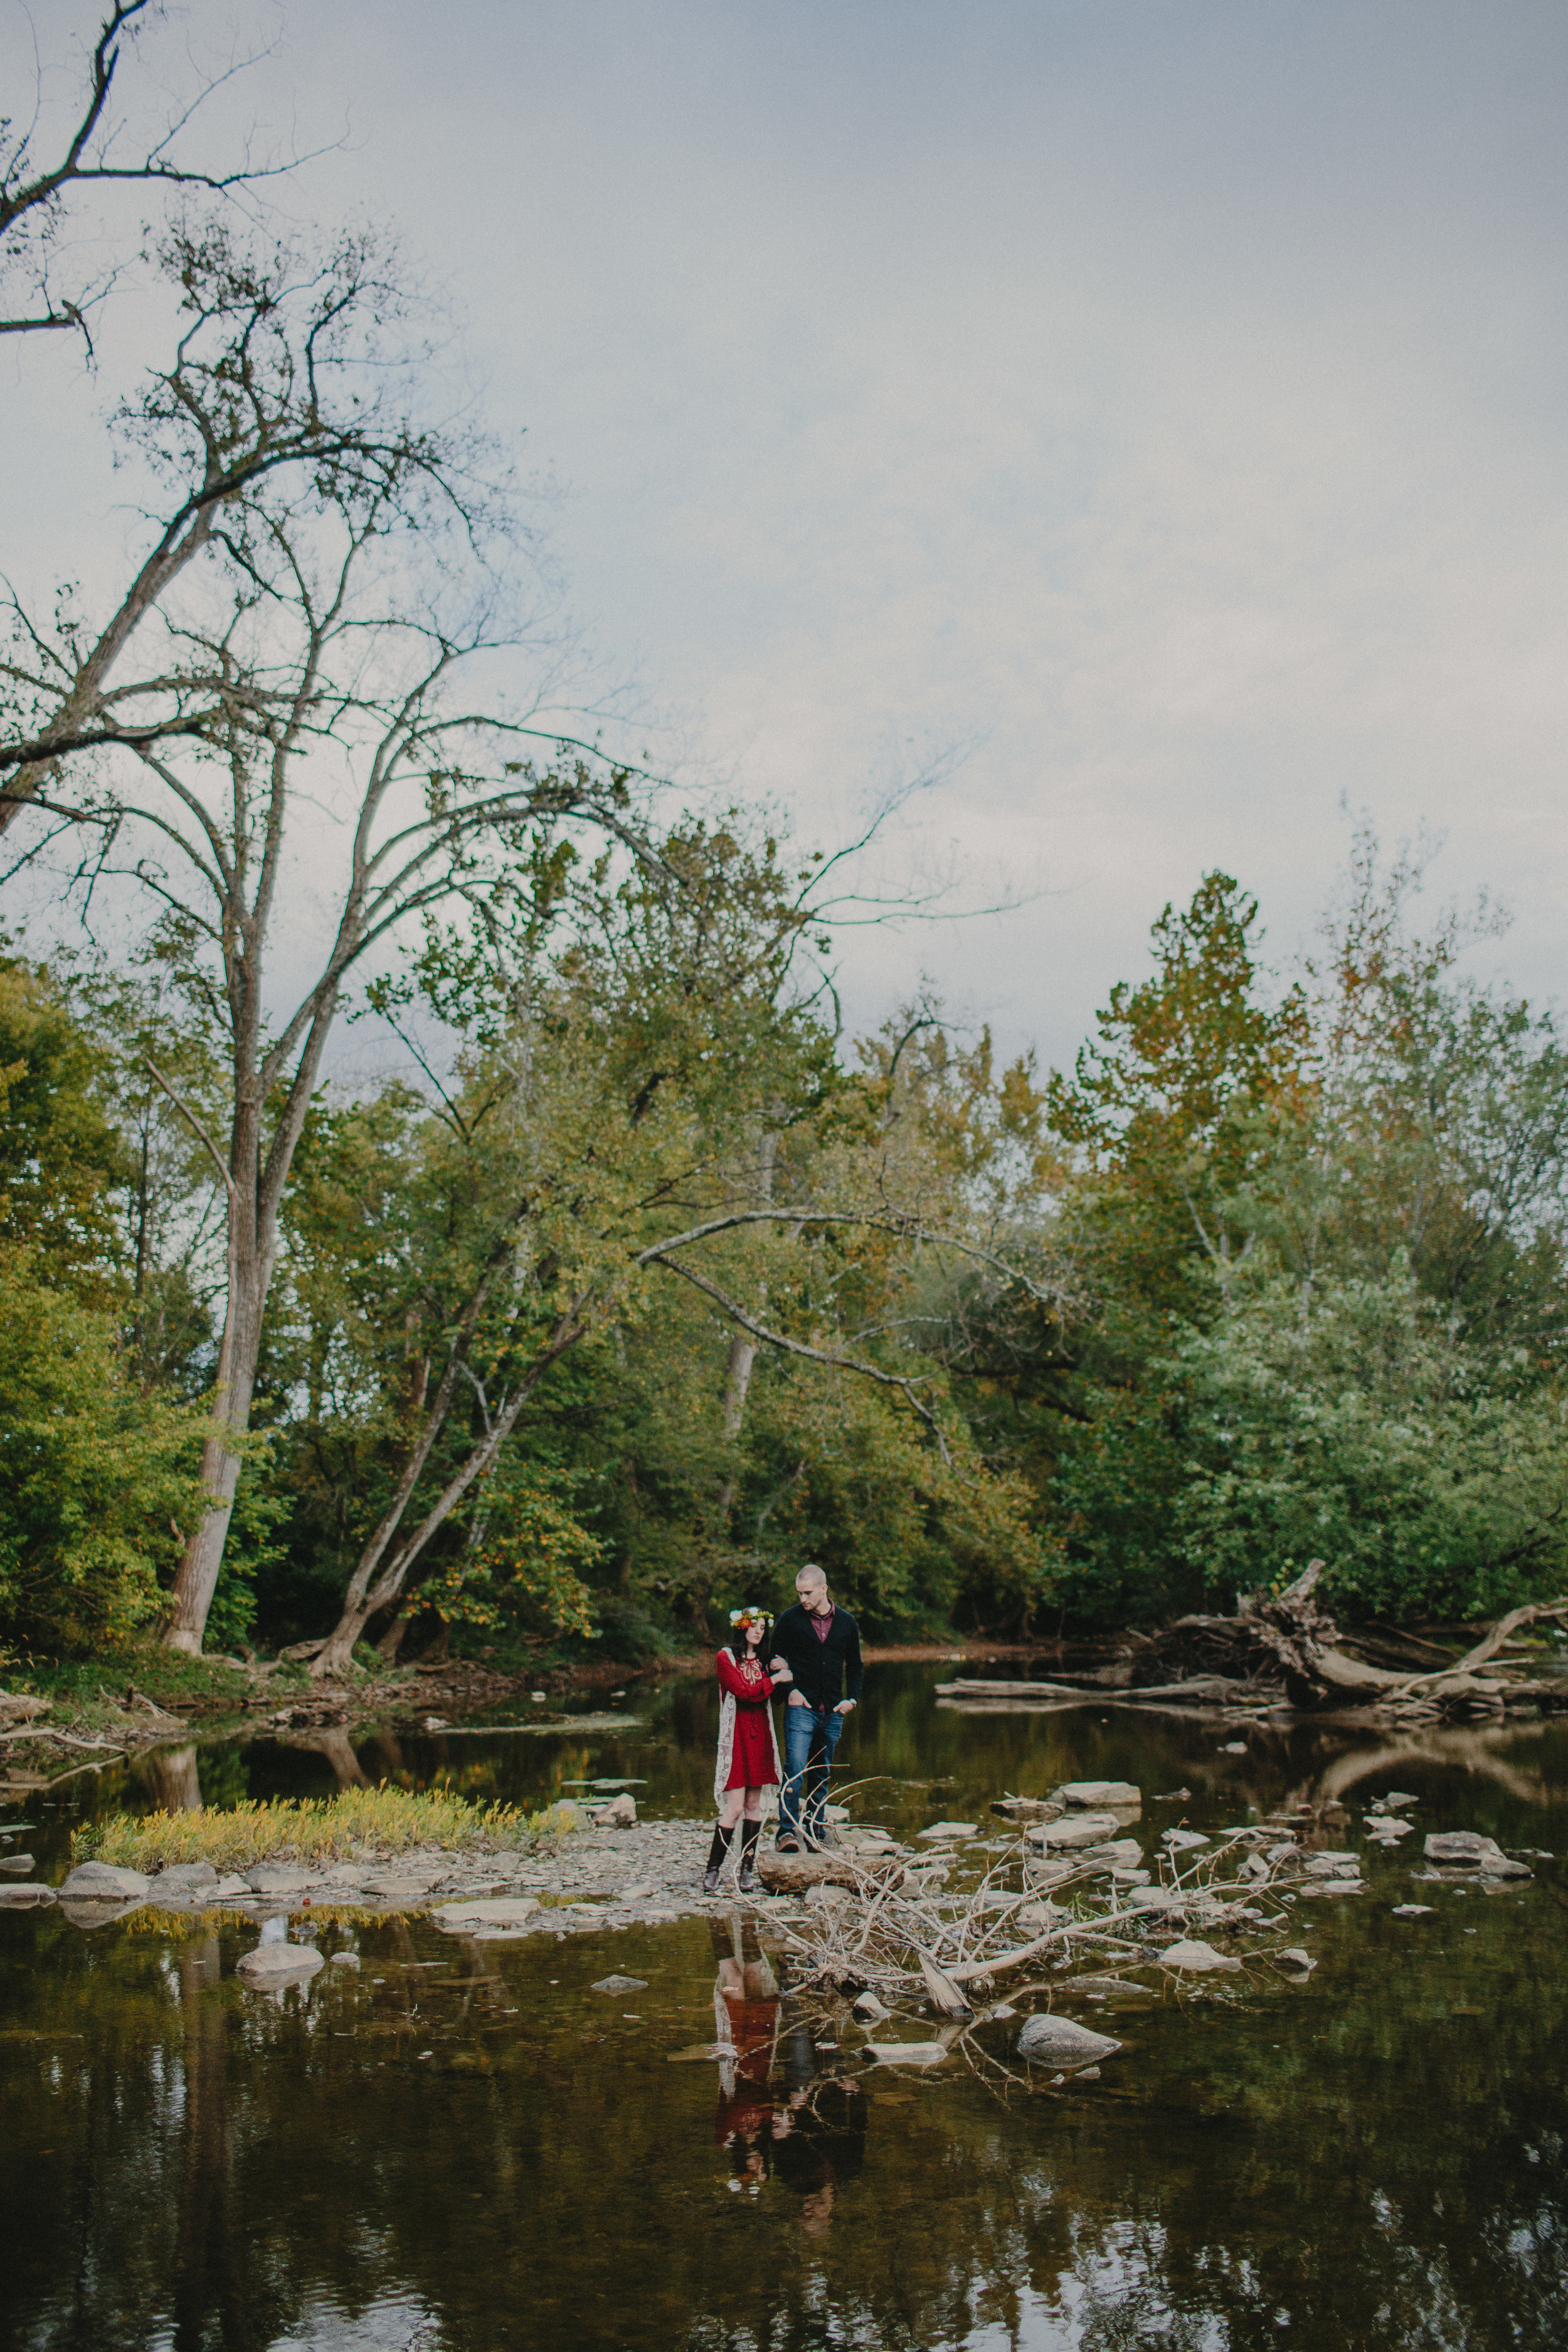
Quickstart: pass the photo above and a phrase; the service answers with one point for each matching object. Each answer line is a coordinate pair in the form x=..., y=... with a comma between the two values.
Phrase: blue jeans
x=809, y=1741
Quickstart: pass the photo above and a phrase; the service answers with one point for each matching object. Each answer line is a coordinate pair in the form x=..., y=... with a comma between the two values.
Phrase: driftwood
x=1286, y=1647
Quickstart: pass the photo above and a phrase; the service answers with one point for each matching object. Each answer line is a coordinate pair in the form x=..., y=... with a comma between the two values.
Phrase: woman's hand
x=780, y=1672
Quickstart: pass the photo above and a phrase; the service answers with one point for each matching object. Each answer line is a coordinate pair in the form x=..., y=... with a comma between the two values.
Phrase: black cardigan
x=825, y=1672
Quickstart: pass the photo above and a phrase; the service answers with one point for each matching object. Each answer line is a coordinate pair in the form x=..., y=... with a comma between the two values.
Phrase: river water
x=457, y=2148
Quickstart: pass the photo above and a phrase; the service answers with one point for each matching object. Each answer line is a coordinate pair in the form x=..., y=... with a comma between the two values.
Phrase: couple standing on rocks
x=816, y=1657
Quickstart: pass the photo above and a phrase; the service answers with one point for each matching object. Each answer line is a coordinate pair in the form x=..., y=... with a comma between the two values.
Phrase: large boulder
x=1058, y=2041
x=101, y=1882
x=277, y=1964
x=1466, y=1850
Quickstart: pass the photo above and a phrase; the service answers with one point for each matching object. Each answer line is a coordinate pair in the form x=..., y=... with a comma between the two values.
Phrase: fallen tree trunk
x=1288, y=1645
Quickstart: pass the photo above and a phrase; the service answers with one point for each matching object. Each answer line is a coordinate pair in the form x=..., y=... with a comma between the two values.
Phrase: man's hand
x=844, y=1706
x=797, y=1698
x=780, y=1671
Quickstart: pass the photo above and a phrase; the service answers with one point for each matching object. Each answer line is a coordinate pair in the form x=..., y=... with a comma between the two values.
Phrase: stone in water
x=1058, y=2041
x=948, y=1830
x=907, y=2053
x=1414, y=1911
x=1466, y=1850
x=1293, y=1956
x=1182, y=1841
x=1093, y=1794
x=103, y=1882
x=1191, y=1957
x=1084, y=1829
x=273, y=1964
x=488, y=1911
x=621, y=1984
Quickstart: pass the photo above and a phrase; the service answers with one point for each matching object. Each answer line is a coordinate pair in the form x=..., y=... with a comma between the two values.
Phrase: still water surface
x=463, y=2146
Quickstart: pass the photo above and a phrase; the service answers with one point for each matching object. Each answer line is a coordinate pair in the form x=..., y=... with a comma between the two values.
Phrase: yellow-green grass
x=328, y=1829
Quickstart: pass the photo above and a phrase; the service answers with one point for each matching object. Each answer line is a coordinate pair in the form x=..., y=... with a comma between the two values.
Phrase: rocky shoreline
x=607, y=1875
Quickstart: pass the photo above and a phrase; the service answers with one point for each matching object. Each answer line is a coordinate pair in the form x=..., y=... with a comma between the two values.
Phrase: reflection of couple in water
x=808, y=2128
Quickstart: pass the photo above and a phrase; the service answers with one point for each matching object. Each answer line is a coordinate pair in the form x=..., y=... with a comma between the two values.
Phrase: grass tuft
x=327, y=1829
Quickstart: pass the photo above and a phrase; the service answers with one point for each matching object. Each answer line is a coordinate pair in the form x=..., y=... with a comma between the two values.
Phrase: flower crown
x=748, y=1616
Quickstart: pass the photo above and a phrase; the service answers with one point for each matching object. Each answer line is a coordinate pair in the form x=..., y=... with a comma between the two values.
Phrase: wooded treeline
x=1274, y=1273
x=437, y=1199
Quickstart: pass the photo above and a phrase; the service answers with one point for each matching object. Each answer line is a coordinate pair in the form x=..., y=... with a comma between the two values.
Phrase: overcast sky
x=1163, y=403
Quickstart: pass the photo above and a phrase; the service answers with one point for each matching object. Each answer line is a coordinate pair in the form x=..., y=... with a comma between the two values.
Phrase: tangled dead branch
x=1286, y=1648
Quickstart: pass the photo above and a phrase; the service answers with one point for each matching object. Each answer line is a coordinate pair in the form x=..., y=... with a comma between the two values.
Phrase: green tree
x=97, y=1483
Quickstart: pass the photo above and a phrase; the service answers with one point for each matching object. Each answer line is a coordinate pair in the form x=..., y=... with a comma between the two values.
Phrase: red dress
x=751, y=1686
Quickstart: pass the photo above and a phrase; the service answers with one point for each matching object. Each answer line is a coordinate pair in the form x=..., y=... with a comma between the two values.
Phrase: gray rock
x=941, y=1832
x=1413, y=1911
x=1095, y=1794
x=28, y=1897
x=488, y=1911
x=185, y=1879
x=621, y=1984
x=1191, y=1957
x=1058, y=2041
x=1182, y=1841
x=1086, y=1828
x=907, y=2053
x=619, y=1815
x=18, y=1863
x=1465, y=1850
x=231, y=1889
x=103, y=1882
x=274, y=1964
x=870, y=2009
x=274, y=1878
x=345, y=1960
x=89, y=1911
x=1294, y=1958
x=1158, y=1898
x=1120, y=1853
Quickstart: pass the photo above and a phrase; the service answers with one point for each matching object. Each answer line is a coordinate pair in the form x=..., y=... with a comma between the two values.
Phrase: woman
x=748, y=1748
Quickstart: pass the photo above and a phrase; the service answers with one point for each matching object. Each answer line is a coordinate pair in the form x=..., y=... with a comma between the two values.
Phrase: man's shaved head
x=810, y=1576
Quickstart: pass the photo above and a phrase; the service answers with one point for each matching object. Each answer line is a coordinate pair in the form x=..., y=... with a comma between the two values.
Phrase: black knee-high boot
x=750, y=1831
x=717, y=1853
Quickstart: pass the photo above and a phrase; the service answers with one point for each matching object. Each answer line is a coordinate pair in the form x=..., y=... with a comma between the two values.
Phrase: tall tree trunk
x=742, y=1348
x=250, y=1278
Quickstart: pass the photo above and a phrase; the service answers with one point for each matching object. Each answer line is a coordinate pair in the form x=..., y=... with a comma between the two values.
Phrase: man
x=820, y=1645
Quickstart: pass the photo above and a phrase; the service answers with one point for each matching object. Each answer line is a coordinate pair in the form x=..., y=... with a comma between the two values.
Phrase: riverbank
x=59, y=1722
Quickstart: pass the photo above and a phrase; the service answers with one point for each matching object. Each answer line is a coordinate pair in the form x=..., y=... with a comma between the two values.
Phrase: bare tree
x=288, y=373
x=92, y=151
x=304, y=717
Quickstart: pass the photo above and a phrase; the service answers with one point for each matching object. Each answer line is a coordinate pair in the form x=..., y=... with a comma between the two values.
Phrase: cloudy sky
x=1160, y=407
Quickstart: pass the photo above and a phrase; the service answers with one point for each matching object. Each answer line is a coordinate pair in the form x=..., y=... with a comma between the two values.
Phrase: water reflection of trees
x=1354, y=2155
